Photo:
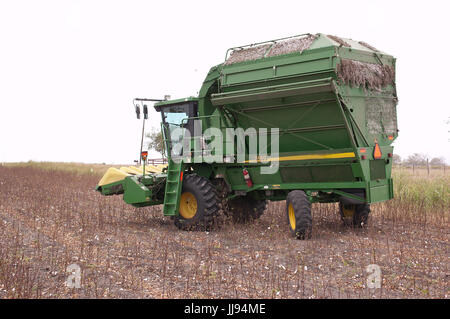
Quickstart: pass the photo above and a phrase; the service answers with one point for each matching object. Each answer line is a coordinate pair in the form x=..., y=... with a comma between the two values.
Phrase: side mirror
x=145, y=112
x=138, y=111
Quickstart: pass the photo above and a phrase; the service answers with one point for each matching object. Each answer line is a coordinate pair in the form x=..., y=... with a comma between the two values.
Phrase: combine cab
x=327, y=107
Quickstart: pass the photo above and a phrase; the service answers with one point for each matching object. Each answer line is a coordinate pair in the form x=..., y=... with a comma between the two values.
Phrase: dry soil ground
x=50, y=219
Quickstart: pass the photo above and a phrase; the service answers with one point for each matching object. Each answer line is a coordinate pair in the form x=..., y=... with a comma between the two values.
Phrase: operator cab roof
x=160, y=105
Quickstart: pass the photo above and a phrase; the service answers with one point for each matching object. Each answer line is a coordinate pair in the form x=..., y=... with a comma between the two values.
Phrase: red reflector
x=363, y=157
x=181, y=177
x=247, y=178
x=390, y=137
x=389, y=154
x=377, y=152
x=362, y=150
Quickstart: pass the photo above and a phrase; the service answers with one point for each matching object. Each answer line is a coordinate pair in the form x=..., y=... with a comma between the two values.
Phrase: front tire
x=199, y=204
x=298, y=211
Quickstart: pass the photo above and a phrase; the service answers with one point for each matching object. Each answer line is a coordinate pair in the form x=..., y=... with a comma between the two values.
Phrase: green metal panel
x=276, y=93
x=377, y=169
x=379, y=193
x=135, y=192
x=296, y=65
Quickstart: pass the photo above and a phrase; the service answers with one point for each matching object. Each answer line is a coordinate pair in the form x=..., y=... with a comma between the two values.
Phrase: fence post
x=428, y=167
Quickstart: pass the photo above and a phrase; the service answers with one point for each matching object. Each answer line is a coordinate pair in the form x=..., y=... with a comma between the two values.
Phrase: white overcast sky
x=70, y=69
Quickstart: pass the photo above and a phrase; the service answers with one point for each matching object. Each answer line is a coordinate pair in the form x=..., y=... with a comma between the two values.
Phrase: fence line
x=156, y=161
x=415, y=168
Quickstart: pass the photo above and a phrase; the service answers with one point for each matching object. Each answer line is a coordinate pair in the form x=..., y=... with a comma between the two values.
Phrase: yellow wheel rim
x=188, y=205
x=291, y=216
x=348, y=210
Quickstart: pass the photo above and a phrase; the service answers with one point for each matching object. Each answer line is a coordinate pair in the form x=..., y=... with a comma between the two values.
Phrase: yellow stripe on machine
x=306, y=157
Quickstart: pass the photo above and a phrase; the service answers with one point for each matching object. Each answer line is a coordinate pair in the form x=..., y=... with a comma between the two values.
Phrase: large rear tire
x=298, y=211
x=356, y=215
x=199, y=204
x=244, y=209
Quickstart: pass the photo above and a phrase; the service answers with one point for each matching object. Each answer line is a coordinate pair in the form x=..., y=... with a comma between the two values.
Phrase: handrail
x=198, y=117
x=154, y=161
x=165, y=140
x=280, y=90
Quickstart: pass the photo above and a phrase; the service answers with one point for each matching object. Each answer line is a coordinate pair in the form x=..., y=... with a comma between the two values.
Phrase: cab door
x=178, y=119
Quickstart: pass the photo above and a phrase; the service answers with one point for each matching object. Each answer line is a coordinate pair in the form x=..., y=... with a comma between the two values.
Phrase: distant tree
x=396, y=159
x=437, y=161
x=417, y=159
x=156, y=141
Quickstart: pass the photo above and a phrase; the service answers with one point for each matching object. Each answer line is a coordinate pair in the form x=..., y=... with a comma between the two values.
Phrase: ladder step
x=173, y=188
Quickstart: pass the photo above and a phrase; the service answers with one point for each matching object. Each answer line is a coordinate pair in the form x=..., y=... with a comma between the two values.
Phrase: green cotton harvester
x=323, y=111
